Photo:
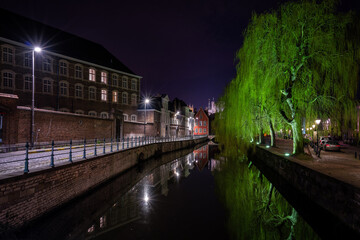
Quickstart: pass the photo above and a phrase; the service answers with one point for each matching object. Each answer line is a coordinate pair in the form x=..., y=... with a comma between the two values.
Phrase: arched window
x=104, y=115
x=133, y=84
x=124, y=98
x=47, y=85
x=124, y=82
x=79, y=90
x=27, y=82
x=92, y=75
x=104, y=77
x=63, y=67
x=64, y=110
x=8, y=79
x=79, y=111
x=103, y=95
x=64, y=88
x=115, y=80
x=47, y=64
x=92, y=113
x=133, y=99
x=8, y=54
x=126, y=117
x=92, y=93
x=78, y=71
x=28, y=59
x=115, y=96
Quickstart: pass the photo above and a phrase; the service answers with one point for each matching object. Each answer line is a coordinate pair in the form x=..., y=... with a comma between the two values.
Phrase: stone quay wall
x=26, y=197
x=342, y=200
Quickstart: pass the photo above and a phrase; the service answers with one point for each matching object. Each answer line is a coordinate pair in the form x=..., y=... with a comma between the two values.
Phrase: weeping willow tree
x=300, y=61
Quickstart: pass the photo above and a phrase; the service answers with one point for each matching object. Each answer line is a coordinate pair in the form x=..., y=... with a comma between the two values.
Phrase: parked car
x=323, y=140
x=332, y=146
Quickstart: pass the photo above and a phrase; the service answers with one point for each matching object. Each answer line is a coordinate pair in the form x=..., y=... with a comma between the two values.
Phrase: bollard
x=52, y=155
x=104, y=146
x=70, y=152
x=95, y=148
x=26, y=169
x=84, y=153
x=117, y=144
x=127, y=142
x=111, y=147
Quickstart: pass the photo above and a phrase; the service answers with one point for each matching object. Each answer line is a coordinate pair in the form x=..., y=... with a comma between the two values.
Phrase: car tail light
x=327, y=145
x=338, y=145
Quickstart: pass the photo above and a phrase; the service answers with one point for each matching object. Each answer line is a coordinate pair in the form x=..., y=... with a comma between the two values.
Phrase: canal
x=188, y=194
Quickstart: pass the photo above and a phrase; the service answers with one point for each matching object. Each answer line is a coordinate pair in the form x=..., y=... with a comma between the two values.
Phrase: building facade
x=72, y=75
x=201, y=123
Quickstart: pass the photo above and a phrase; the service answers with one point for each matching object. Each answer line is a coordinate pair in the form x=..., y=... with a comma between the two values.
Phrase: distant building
x=81, y=89
x=211, y=108
x=201, y=123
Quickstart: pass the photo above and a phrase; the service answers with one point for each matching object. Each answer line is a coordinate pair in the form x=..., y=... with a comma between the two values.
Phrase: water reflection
x=138, y=202
x=256, y=209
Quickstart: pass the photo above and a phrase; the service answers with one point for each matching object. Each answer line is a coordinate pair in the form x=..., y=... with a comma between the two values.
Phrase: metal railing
x=59, y=153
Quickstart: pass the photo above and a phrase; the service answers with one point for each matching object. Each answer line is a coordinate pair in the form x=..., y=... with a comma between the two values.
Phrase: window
x=78, y=71
x=28, y=59
x=124, y=98
x=8, y=79
x=27, y=83
x=79, y=112
x=200, y=130
x=79, y=90
x=104, y=115
x=133, y=99
x=103, y=95
x=115, y=80
x=92, y=93
x=196, y=130
x=133, y=84
x=124, y=82
x=126, y=117
x=201, y=123
x=8, y=54
x=204, y=130
x=64, y=88
x=204, y=123
x=63, y=68
x=92, y=74
x=104, y=77
x=47, y=85
x=47, y=64
x=115, y=96
x=133, y=118
x=92, y=113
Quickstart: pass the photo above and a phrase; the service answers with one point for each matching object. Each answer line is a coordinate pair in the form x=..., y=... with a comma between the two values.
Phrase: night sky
x=184, y=48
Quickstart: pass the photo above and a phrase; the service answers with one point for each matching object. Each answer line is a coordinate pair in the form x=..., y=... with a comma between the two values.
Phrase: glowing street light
x=38, y=50
x=317, y=121
x=145, y=102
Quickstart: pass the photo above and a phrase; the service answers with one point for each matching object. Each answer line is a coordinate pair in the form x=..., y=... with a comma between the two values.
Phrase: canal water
x=189, y=194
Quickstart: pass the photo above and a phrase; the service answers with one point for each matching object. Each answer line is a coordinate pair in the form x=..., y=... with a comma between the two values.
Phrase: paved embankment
x=25, y=197
x=331, y=181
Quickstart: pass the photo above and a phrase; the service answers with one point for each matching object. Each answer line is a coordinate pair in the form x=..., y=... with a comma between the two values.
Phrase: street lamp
x=36, y=49
x=146, y=102
x=317, y=121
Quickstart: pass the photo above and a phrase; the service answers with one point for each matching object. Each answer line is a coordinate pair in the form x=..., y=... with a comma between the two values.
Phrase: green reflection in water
x=256, y=210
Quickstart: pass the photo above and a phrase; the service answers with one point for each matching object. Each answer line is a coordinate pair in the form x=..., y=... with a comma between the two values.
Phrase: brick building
x=75, y=80
x=201, y=123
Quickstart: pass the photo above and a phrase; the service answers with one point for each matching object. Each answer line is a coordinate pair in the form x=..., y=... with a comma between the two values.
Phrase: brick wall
x=25, y=197
x=58, y=126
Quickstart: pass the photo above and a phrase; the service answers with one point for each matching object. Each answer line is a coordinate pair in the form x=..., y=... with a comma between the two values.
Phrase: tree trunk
x=298, y=142
x=261, y=136
x=272, y=134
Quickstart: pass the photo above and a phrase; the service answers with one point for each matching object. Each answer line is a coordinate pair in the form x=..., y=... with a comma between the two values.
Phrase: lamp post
x=36, y=49
x=317, y=121
x=146, y=102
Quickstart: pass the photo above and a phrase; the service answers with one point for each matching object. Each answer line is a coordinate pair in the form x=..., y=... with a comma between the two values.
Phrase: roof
x=30, y=32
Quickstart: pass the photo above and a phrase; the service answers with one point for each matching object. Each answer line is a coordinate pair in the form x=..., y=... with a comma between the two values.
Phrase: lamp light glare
x=147, y=100
x=37, y=49
x=317, y=121
x=287, y=154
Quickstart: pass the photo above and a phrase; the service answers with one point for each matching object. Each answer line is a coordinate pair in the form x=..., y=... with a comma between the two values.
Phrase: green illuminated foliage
x=298, y=62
